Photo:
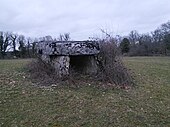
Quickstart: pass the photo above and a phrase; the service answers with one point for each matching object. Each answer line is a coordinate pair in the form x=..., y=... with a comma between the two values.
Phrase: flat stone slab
x=68, y=48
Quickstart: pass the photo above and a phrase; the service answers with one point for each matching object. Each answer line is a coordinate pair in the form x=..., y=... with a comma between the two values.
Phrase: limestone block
x=69, y=48
x=61, y=65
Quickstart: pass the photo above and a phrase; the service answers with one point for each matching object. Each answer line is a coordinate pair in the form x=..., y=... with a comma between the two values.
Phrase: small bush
x=41, y=72
x=111, y=66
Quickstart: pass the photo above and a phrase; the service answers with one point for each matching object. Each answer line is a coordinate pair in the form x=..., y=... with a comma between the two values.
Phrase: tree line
x=156, y=42
x=13, y=45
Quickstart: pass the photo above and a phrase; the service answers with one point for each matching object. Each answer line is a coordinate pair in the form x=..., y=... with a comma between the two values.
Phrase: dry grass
x=22, y=103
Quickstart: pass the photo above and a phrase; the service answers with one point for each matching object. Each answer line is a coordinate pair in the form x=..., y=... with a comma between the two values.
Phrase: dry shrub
x=112, y=69
x=41, y=73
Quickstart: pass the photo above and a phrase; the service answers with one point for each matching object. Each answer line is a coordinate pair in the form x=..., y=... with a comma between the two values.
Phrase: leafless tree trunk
x=4, y=42
x=14, y=42
x=28, y=46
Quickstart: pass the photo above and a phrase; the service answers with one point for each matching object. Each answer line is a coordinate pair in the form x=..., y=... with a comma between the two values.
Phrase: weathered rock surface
x=60, y=54
x=61, y=65
x=69, y=48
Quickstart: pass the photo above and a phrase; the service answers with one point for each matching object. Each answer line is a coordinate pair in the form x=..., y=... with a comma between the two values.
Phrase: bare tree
x=33, y=46
x=166, y=28
x=22, y=48
x=29, y=40
x=158, y=36
x=14, y=42
x=134, y=37
x=4, y=42
x=60, y=38
x=67, y=36
x=64, y=37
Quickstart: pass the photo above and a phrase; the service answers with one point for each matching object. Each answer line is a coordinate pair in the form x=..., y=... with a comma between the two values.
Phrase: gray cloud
x=82, y=18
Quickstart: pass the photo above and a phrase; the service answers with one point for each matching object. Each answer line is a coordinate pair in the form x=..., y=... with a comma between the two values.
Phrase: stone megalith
x=64, y=56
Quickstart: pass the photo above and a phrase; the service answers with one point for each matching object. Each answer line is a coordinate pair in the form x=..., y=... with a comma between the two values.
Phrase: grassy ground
x=148, y=104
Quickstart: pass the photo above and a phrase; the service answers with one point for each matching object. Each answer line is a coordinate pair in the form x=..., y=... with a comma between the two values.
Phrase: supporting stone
x=61, y=65
x=91, y=67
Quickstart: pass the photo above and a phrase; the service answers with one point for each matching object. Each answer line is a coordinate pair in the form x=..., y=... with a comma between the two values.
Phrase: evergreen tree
x=125, y=45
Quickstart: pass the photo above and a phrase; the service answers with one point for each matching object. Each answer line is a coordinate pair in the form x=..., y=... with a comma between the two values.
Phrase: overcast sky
x=82, y=18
